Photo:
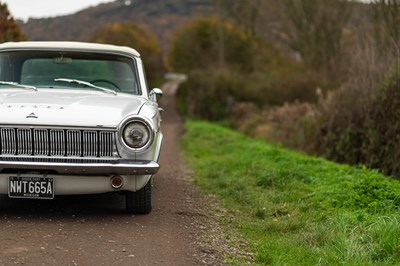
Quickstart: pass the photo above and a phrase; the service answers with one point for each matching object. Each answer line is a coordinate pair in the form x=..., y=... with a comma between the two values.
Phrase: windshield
x=41, y=69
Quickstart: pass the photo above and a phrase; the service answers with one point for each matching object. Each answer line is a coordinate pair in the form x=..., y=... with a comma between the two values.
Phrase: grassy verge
x=293, y=209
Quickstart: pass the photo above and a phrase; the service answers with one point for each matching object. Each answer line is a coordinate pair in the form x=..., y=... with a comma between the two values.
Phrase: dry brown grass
x=289, y=124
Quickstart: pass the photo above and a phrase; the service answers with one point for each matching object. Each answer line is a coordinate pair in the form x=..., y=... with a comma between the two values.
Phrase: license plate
x=31, y=187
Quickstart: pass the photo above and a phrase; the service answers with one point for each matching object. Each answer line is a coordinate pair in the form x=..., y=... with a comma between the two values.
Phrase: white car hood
x=58, y=107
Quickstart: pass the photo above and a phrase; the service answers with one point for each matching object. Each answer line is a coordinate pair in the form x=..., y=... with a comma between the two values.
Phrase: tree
x=197, y=45
x=139, y=38
x=9, y=29
x=387, y=19
x=315, y=31
x=244, y=13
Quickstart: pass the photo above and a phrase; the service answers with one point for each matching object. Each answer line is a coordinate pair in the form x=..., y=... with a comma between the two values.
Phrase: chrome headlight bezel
x=147, y=125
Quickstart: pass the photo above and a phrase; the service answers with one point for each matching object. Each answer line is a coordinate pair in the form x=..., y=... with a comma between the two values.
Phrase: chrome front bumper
x=82, y=166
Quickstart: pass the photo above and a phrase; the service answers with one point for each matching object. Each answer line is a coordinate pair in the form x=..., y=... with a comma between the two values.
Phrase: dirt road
x=94, y=230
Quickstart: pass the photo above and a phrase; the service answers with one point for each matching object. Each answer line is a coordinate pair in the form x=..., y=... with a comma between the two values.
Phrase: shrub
x=381, y=148
x=208, y=94
x=284, y=84
x=343, y=117
x=291, y=125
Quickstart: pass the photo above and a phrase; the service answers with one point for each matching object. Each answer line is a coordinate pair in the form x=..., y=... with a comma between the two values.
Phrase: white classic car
x=77, y=118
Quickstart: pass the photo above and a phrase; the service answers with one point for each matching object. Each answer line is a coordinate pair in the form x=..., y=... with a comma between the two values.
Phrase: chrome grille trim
x=56, y=142
x=107, y=138
x=90, y=143
x=74, y=143
x=41, y=146
x=25, y=144
x=8, y=143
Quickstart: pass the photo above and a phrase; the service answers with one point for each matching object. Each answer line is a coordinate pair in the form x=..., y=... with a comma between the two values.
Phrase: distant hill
x=161, y=17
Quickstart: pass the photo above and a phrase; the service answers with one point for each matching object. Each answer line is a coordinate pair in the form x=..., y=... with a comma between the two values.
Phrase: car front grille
x=56, y=142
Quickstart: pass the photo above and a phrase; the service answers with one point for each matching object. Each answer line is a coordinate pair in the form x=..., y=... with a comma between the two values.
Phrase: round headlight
x=136, y=134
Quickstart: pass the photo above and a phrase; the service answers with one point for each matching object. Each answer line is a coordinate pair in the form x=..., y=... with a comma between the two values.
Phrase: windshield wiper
x=81, y=82
x=15, y=84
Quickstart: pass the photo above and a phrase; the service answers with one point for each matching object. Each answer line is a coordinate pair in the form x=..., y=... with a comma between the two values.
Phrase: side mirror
x=156, y=94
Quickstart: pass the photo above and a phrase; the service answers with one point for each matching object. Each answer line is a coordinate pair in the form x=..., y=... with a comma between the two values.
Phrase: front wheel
x=139, y=202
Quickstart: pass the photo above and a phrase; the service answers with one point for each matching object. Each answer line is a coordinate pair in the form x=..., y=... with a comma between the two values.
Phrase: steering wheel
x=106, y=81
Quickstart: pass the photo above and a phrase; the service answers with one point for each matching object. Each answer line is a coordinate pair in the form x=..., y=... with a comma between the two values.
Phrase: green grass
x=294, y=209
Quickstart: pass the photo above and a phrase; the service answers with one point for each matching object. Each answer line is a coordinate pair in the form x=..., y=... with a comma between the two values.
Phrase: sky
x=24, y=9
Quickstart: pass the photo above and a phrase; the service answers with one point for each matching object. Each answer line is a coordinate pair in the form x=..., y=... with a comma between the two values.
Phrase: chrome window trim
x=141, y=82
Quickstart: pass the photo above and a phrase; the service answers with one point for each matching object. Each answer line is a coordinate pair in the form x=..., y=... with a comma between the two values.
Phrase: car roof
x=68, y=46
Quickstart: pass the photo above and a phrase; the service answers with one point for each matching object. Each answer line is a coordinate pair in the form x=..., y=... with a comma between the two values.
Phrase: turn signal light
x=117, y=182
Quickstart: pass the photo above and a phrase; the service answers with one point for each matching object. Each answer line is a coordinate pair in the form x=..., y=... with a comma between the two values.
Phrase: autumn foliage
x=205, y=43
x=137, y=37
x=9, y=29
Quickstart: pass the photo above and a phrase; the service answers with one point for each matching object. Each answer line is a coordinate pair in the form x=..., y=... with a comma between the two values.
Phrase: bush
x=381, y=148
x=340, y=125
x=277, y=80
x=359, y=127
x=353, y=124
x=291, y=125
x=277, y=85
x=209, y=93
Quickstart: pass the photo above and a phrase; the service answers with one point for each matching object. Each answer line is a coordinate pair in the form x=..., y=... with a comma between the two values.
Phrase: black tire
x=3, y=201
x=139, y=202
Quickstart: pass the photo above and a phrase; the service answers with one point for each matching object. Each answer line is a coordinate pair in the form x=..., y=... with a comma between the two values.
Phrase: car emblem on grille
x=32, y=115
